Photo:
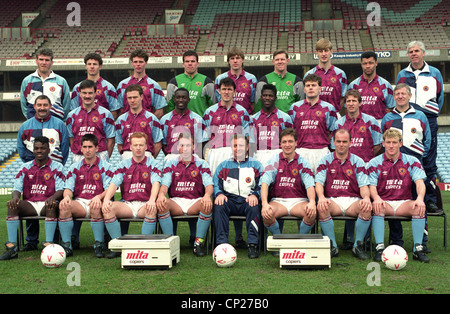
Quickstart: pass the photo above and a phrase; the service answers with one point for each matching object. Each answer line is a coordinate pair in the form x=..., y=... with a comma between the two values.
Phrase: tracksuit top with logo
x=173, y=124
x=290, y=89
x=201, y=92
x=342, y=179
x=51, y=127
x=238, y=179
x=313, y=123
x=245, y=88
x=415, y=129
x=137, y=178
x=288, y=178
x=38, y=183
x=87, y=181
x=145, y=122
x=106, y=96
x=266, y=128
x=221, y=123
x=98, y=121
x=393, y=178
x=54, y=87
x=365, y=132
x=427, y=88
x=153, y=94
x=186, y=181
x=334, y=84
x=377, y=95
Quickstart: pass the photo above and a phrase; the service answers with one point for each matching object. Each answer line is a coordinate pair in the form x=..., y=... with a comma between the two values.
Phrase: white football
x=224, y=255
x=53, y=256
x=394, y=257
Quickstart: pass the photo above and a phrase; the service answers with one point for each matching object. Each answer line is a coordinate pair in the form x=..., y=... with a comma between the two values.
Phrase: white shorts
x=128, y=154
x=38, y=206
x=396, y=204
x=263, y=156
x=85, y=203
x=313, y=156
x=185, y=203
x=344, y=202
x=216, y=156
x=289, y=203
x=102, y=155
x=134, y=206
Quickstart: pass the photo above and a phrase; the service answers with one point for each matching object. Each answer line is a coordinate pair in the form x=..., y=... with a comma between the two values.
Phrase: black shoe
x=433, y=208
x=425, y=249
x=11, y=253
x=419, y=255
x=98, y=249
x=199, y=247
x=112, y=254
x=253, y=251
x=241, y=244
x=29, y=247
x=347, y=246
x=75, y=243
x=359, y=252
x=378, y=252
x=334, y=251
x=67, y=249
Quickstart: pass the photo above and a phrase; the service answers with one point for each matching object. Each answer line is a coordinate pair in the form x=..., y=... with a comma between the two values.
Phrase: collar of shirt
x=268, y=114
x=43, y=120
x=51, y=75
x=335, y=157
x=186, y=113
x=93, y=108
x=190, y=162
x=235, y=76
x=137, y=80
x=296, y=155
x=96, y=162
x=391, y=160
x=347, y=117
x=221, y=106
x=47, y=164
x=424, y=68
x=142, y=162
x=407, y=111
x=375, y=79
x=318, y=68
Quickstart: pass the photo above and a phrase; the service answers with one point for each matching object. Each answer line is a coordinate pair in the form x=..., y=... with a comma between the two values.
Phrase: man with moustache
x=90, y=118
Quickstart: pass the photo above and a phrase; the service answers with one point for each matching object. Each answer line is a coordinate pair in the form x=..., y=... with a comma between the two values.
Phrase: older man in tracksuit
x=237, y=192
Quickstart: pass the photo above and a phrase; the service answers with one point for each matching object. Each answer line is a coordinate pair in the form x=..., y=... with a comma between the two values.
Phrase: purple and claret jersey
x=145, y=122
x=106, y=96
x=313, y=123
x=173, y=124
x=38, y=183
x=365, y=132
x=153, y=95
x=245, y=88
x=87, y=181
x=334, y=84
x=288, y=179
x=186, y=181
x=377, y=95
x=342, y=179
x=99, y=121
x=222, y=123
x=394, y=179
x=268, y=126
x=137, y=178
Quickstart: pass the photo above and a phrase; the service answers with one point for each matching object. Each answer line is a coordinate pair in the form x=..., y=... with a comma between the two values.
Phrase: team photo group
x=312, y=147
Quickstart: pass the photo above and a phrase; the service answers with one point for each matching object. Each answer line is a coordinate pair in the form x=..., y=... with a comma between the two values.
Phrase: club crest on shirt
x=402, y=171
x=248, y=180
x=96, y=176
x=194, y=173
x=145, y=175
